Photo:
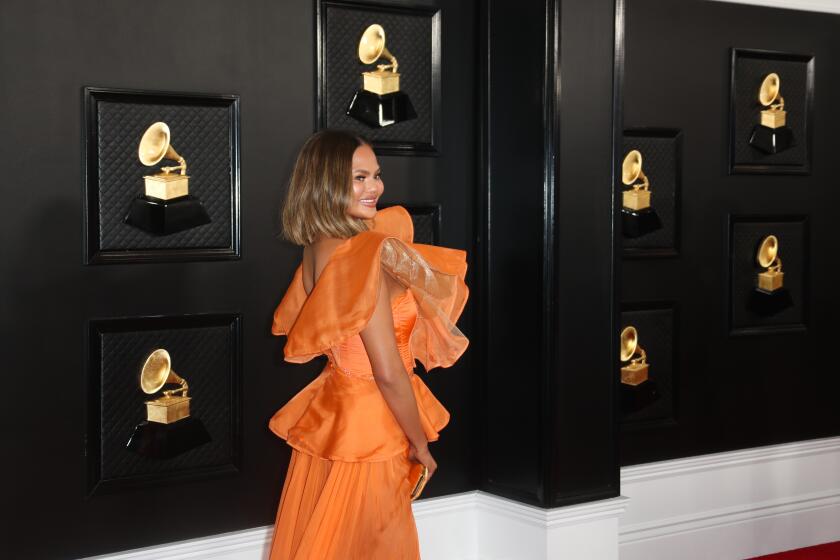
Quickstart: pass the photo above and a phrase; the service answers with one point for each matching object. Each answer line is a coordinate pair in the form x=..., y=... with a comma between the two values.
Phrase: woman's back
x=315, y=257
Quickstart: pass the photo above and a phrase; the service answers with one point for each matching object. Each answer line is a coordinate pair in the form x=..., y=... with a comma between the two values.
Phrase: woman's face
x=367, y=183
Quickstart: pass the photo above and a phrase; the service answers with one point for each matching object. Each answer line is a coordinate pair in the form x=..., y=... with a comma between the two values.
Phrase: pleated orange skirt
x=332, y=510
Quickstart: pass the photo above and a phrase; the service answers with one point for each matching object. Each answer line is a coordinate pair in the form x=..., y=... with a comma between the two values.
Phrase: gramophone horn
x=372, y=47
x=629, y=342
x=769, y=90
x=157, y=372
x=155, y=146
x=768, y=251
x=631, y=168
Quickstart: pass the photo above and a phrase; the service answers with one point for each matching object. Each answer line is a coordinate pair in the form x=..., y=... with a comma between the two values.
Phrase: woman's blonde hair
x=321, y=189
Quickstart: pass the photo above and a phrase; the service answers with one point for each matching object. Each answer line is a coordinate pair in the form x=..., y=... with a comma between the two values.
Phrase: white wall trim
x=829, y=6
x=739, y=504
x=468, y=526
x=726, y=505
x=727, y=516
x=729, y=459
x=249, y=543
x=543, y=518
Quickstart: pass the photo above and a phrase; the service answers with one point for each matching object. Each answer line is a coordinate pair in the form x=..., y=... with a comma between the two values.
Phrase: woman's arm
x=390, y=375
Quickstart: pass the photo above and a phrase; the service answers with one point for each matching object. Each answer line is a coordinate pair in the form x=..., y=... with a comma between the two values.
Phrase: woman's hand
x=424, y=457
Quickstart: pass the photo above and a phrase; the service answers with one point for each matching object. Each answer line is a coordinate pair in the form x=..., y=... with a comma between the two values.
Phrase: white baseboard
x=829, y=6
x=733, y=505
x=250, y=544
x=469, y=526
x=508, y=530
x=727, y=505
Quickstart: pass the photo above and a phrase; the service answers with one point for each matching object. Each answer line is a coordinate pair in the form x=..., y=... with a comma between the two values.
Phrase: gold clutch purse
x=417, y=477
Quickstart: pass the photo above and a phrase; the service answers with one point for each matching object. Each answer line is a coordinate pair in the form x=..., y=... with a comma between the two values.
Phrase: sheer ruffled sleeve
x=344, y=296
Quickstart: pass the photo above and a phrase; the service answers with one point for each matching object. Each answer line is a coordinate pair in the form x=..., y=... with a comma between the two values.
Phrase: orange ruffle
x=345, y=294
x=346, y=419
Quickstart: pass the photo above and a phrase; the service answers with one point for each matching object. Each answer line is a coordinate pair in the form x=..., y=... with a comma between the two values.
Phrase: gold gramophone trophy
x=636, y=372
x=637, y=215
x=771, y=135
x=770, y=295
x=166, y=205
x=767, y=257
x=380, y=102
x=168, y=429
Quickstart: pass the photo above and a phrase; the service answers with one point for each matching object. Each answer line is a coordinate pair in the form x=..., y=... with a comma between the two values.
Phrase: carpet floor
x=830, y=551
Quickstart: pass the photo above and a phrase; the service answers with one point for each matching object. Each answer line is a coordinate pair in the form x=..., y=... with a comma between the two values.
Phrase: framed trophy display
x=163, y=399
x=771, y=112
x=647, y=364
x=768, y=274
x=162, y=176
x=379, y=74
x=650, y=183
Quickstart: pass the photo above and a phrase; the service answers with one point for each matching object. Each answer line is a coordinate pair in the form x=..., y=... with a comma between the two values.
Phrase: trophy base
x=378, y=111
x=381, y=81
x=163, y=217
x=770, y=281
x=635, y=223
x=771, y=140
x=770, y=303
x=635, y=199
x=164, y=441
x=168, y=410
x=166, y=186
x=638, y=397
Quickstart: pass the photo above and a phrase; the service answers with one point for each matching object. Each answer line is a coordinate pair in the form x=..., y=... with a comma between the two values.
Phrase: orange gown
x=346, y=492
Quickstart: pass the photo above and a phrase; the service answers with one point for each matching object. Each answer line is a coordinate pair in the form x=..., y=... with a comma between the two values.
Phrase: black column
x=548, y=251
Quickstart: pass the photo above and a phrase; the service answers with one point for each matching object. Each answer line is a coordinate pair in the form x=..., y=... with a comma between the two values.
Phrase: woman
x=372, y=301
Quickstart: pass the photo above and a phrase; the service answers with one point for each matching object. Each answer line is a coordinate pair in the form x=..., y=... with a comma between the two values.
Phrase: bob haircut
x=321, y=189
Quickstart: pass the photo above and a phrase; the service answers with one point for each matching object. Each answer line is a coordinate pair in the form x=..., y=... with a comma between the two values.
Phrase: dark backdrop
x=540, y=387
x=264, y=52
x=733, y=390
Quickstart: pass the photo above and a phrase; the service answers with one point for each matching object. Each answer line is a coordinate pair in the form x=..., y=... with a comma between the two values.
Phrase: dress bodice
x=350, y=356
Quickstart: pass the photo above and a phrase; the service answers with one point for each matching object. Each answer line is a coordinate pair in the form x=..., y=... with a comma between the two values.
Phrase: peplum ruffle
x=341, y=415
x=344, y=418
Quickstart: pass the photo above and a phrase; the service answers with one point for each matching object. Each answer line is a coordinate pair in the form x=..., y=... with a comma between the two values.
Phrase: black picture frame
x=738, y=136
x=648, y=417
x=384, y=141
x=636, y=248
x=99, y=482
x=760, y=326
x=148, y=249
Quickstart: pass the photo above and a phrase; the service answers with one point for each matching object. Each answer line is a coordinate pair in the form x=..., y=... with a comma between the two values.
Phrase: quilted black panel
x=661, y=163
x=205, y=356
x=202, y=135
x=408, y=36
x=656, y=336
x=425, y=227
x=750, y=70
x=426, y=222
x=746, y=237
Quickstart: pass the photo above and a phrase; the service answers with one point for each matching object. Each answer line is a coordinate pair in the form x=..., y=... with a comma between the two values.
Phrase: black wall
x=264, y=52
x=732, y=390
